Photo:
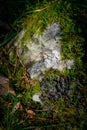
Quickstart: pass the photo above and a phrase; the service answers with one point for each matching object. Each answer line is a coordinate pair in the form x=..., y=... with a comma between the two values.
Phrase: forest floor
x=17, y=110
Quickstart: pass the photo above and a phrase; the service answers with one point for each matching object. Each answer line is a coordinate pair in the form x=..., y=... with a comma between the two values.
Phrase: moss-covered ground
x=19, y=111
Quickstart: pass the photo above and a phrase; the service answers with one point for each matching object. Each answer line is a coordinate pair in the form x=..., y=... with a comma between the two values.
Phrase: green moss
x=36, y=87
x=67, y=14
x=30, y=91
x=13, y=58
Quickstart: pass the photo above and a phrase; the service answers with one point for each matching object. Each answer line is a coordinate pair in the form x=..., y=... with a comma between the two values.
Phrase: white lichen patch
x=36, y=98
x=50, y=52
x=44, y=51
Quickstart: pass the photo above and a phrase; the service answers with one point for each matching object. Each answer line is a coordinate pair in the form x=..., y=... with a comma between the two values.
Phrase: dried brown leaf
x=30, y=113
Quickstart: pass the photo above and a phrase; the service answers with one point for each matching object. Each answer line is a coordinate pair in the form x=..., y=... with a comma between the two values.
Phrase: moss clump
x=30, y=91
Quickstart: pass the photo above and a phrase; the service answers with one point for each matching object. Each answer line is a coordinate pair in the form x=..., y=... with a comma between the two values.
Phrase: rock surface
x=43, y=51
x=50, y=52
x=52, y=89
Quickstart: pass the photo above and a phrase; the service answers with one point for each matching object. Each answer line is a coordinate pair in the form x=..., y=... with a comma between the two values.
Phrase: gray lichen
x=53, y=88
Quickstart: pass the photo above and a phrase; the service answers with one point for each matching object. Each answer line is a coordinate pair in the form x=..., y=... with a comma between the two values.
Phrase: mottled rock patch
x=52, y=89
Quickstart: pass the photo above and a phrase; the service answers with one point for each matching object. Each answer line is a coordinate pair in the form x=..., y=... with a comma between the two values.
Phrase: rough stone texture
x=53, y=88
x=49, y=53
x=42, y=51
